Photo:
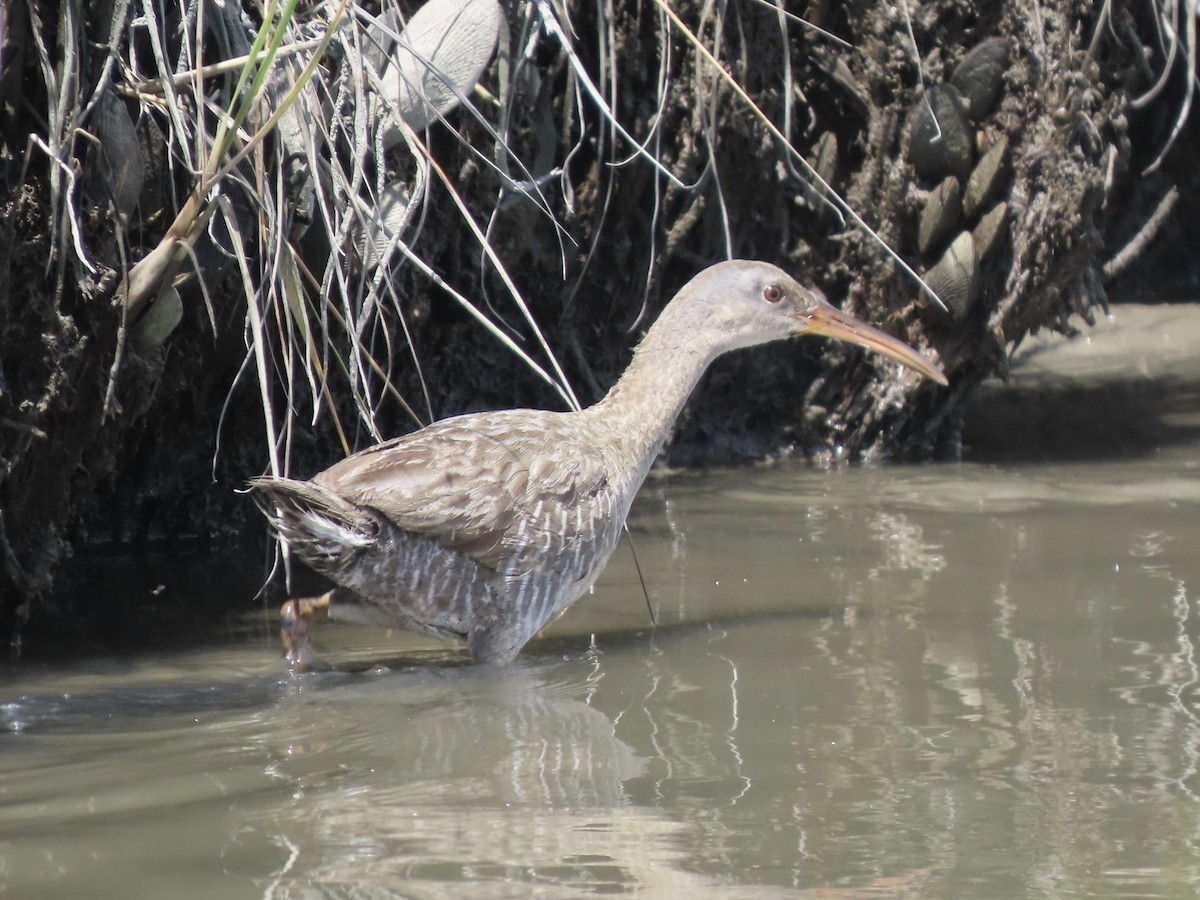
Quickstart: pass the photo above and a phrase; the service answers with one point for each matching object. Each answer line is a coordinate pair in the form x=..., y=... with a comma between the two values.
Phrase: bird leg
x=295, y=620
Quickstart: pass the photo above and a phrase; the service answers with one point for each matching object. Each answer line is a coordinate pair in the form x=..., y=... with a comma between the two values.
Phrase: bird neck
x=643, y=405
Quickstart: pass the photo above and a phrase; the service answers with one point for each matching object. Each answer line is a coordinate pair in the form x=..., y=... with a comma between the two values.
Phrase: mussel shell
x=157, y=323
x=939, y=140
x=955, y=277
x=443, y=50
x=122, y=173
x=825, y=157
x=388, y=219
x=992, y=231
x=298, y=140
x=986, y=178
x=824, y=160
x=980, y=76
x=940, y=215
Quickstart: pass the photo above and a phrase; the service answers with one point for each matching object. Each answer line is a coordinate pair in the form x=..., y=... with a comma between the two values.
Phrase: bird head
x=749, y=303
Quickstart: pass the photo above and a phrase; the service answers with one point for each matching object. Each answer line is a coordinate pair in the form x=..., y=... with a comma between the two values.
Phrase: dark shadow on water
x=127, y=603
x=1079, y=422
x=118, y=709
x=111, y=694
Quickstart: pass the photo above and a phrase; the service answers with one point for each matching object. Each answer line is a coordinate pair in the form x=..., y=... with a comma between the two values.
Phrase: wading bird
x=484, y=526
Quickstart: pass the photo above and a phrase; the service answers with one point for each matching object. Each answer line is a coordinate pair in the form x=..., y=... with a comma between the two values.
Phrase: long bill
x=825, y=318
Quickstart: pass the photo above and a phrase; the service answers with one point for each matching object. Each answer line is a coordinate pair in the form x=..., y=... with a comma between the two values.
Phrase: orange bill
x=825, y=318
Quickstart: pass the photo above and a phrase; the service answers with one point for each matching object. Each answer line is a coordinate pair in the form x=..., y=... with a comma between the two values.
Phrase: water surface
x=943, y=681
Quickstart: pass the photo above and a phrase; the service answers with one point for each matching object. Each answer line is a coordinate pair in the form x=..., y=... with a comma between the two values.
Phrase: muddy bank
x=119, y=435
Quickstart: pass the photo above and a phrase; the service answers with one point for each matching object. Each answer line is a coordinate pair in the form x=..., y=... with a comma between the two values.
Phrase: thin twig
x=816, y=29
x=155, y=86
x=812, y=173
x=1140, y=241
x=551, y=23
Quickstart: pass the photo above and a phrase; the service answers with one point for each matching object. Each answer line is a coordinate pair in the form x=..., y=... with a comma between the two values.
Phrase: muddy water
x=944, y=681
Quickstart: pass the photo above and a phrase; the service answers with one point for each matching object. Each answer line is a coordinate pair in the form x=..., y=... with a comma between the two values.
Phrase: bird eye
x=772, y=293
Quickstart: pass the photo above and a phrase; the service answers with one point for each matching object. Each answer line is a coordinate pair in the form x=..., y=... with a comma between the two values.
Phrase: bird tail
x=320, y=527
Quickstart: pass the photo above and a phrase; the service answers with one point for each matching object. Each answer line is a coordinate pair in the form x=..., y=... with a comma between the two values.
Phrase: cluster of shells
x=419, y=69
x=964, y=219
x=440, y=54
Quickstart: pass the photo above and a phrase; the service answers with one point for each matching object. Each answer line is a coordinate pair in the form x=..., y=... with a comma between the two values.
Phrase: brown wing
x=491, y=487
